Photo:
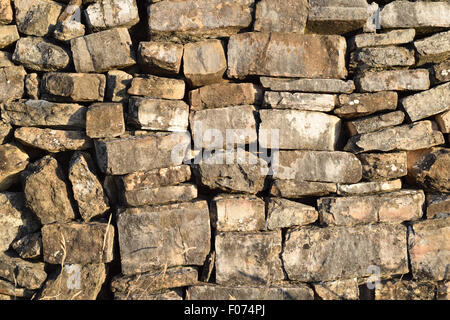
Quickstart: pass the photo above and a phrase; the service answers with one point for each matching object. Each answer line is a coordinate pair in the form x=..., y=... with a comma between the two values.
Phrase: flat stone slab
x=12, y=81
x=160, y=57
x=300, y=101
x=157, y=87
x=45, y=15
x=109, y=14
x=298, y=189
x=370, y=187
x=160, y=195
x=394, y=80
x=286, y=16
x=383, y=166
x=283, y=213
x=381, y=58
x=308, y=85
x=394, y=37
x=375, y=122
x=405, y=290
x=433, y=49
x=357, y=105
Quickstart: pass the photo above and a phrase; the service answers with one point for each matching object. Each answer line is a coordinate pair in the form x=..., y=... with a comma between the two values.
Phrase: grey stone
x=107, y=14
x=381, y=58
x=12, y=83
x=396, y=80
x=394, y=37
x=369, y=187
x=29, y=275
x=282, y=213
x=36, y=17
x=300, y=101
x=363, y=104
x=375, y=123
x=157, y=87
x=160, y=195
x=308, y=85
x=117, y=84
x=383, y=166
x=8, y=35
x=298, y=189
x=433, y=49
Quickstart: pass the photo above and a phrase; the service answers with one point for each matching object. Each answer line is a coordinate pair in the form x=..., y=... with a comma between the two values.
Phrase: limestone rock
x=6, y=12
x=76, y=87
x=159, y=195
x=167, y=149
x=286, y=16
x=159, y=114
x=105, y=120
x=282, y=213
x=74, y=282
x=405, y=290
x=383, y=166
x=345, y=253
x=10, y=290
x=438, y=206
x=12, y=83
x=8, y=35
x=443, y=291
x=160, y=57
x=300, y=101
x=13, y=160
x=157, y=87
x=433, y=49
x=238, y=213
x=346, y=289
x=394, y=37
x=40, y=55
x=381, y=58
x=52, y=140
x=107, y=14
x=298, y=189
x=363, y=104
x=286, y=55
x=248, y=258
x=441, y=71
x=397, y=80
x=308, y=85
x=25, y=274
x=6, y=59
x=319, y=166
x=89, y=54
x=78, y=243
x=36, y=17
x=5, y=131
x=32, y=84
x=29, y=246
x=429, y=249
x=117, y=85
x=224, y=95
x=68, y=30
x=375, y=123
x=369, y=187
x=41, y=113
x=155, y=238
x=443, y=120
x=175, y=294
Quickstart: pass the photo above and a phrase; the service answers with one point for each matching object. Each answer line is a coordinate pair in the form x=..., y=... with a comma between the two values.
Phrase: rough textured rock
x=443, y=291
x=298, y=189
x=160, y=195
x=107, y=14
x=5, y=131
x=433, y=49
x=369, y=187
x=363, y=104
x=77, y=87
x=438, y=206
x=105, y=120
x=29, y=246
x=284, y=16
x=394, y=37
x=157, y=87
x=381, y=58
x=36, y=17
x=226, y=94
x=151, y=238
x=24, y=274
x=443, y=120
x=397, y=80
x=282, y=213
x=160, y=57
x=308, y=85
x=78, y=243
x=6, y=12
x=175, y=294
x=375, y=123
x=344, y=253
x=300, y=101
x=405, y=290
x=11, y=83
x=8, y=35
x=89, y=54
x=383, y=166
x=248, y=258
x=441, y=71
x=429, y=249
x=32, y=84
x=6, y=59
x=159, y=114
x=346, y=289
x=46, y=191
x=13, y=160
x=286, y=55
x=117, y=85
x=238, y=213
x=168, y=149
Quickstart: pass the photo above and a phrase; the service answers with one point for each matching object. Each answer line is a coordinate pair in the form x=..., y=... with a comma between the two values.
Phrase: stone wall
x=224, y=149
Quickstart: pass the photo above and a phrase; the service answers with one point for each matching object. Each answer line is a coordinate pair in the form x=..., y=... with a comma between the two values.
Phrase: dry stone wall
x=224, y=149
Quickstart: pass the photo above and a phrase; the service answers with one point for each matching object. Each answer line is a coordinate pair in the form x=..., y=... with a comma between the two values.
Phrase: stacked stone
x=224, y=149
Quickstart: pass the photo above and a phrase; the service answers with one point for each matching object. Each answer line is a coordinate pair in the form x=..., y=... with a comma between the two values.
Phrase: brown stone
x=405, y=290
x=443, y=120
x=160, y=195
x=282, y=213
x=286, y=16
x=160, y=57
x=29, y=275
x=375, y=123
x=363, y=104
x=12, y=83
x=438, y=206
x=36, y=17
x=8, y=35
x=157, y=87
x=105, y=120
x=297, y=189
x=13, y=160
x=6, y=12
x=383, y=166
x=308, y=85
x=394, y=80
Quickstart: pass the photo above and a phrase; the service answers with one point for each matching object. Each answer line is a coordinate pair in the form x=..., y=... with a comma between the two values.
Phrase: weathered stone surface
x=319, y=166
x=11, y=82
x=308, y=85
x=160, y=57
x=193, y=19
x=394, y=37
x=224, y=127
x=429, y=249
x=73, y=87
x=87, y=189
x=74, y=282
x=16, y=220
x=226, y=94
x=286, y=55
x=438, y=206
x=399, y=206
x=153, y=282
x=327, y=16
x=381, y=58
x=6, y=59
x=204, y=62
x=443, y=120
x=167, y=149
x=157, y=87
x=154, y=238
x=6, y=12
x=238, y=213
x=107, y=14
x=29, y=246
x=369, y=187
x=430, y=169
x=383, y=166
x=159, y=195
x=433, y=49
x=248, y=258
x=176, y=294
x=105, y=120
x=78, y=243
x=281, y=16
x=117, y=85
x=414, y=136
x=363, y=104
x=428, y=103
x=40, y=55
x=159, y=114
x=41, y=113
x=441, y=71
x=278, y=291
x=346, y=289
x=375, y=123
x=300, y=101
x=5, y=131
x=422, y=16
x=397, y=80
x=8, y=35
x=405, y=290
x=282, y=213
x=9, y=289
x=70, y=28
x=242, y=172
x=36, y=17
x=32, y=86
x=13, y=160
x=344, y=253
x=89, y=54
x=443, y=291
x=53, y=140
x=305, y=130
x=297, y=189
x=25, y=274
